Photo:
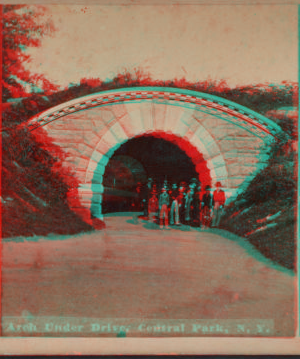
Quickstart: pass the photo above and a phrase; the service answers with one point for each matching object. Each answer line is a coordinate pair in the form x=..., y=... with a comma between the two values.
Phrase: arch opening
x=163, y=156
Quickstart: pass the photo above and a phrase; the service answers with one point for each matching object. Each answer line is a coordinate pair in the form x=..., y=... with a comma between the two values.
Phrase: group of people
x=187, y=204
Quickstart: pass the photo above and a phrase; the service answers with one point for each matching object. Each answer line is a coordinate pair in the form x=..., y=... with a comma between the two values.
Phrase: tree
x=23, y=26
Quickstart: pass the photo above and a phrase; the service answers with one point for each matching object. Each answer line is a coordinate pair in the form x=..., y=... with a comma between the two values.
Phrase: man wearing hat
x=196, y=212
x=174, y=211
x=207, y=207
x=193, y=183
x=188, y=205
x=181, y=201
x=219, y=202
x=166, y=185
x=164, y=200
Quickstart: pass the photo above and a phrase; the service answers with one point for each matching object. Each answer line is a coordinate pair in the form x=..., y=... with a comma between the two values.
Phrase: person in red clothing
x=219, y=202
x=153, y=207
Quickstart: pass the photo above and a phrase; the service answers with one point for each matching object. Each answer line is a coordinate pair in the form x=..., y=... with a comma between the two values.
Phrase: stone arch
x=233, y=140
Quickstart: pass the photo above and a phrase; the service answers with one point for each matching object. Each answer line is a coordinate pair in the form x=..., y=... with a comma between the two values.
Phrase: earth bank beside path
x=133, y=270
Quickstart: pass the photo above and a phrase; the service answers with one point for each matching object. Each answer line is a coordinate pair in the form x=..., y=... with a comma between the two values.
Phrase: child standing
x=152, y=207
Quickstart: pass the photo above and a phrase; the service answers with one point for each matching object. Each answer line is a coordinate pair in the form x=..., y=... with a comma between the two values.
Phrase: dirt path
x=130, y=270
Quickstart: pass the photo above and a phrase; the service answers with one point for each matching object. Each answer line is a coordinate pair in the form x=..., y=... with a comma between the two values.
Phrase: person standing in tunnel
x=188, y=205
x=174, y=211
x=166, y=185
x=191, y=199
x=219, y=202
x=163, y=207
x=181, y=202
x=207, y=204
x=153, y=207
x=196, y=212
x=193, y=183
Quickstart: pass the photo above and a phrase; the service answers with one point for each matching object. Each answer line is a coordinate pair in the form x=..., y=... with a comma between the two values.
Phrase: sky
x=242, y=45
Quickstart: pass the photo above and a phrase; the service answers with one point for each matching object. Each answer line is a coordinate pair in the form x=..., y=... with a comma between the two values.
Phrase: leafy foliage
x=23, y=27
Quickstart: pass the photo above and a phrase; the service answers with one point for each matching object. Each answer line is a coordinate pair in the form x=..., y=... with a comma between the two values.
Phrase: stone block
x=146, y=115
x=159, y=115
x=118, y=132
x=110, y=139
x=172, y=117
x=99, y=157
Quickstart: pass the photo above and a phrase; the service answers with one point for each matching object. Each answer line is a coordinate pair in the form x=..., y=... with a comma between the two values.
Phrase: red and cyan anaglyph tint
x=143, y=202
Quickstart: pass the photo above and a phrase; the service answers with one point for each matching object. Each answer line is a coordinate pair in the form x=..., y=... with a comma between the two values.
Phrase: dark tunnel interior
x=135, y=161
